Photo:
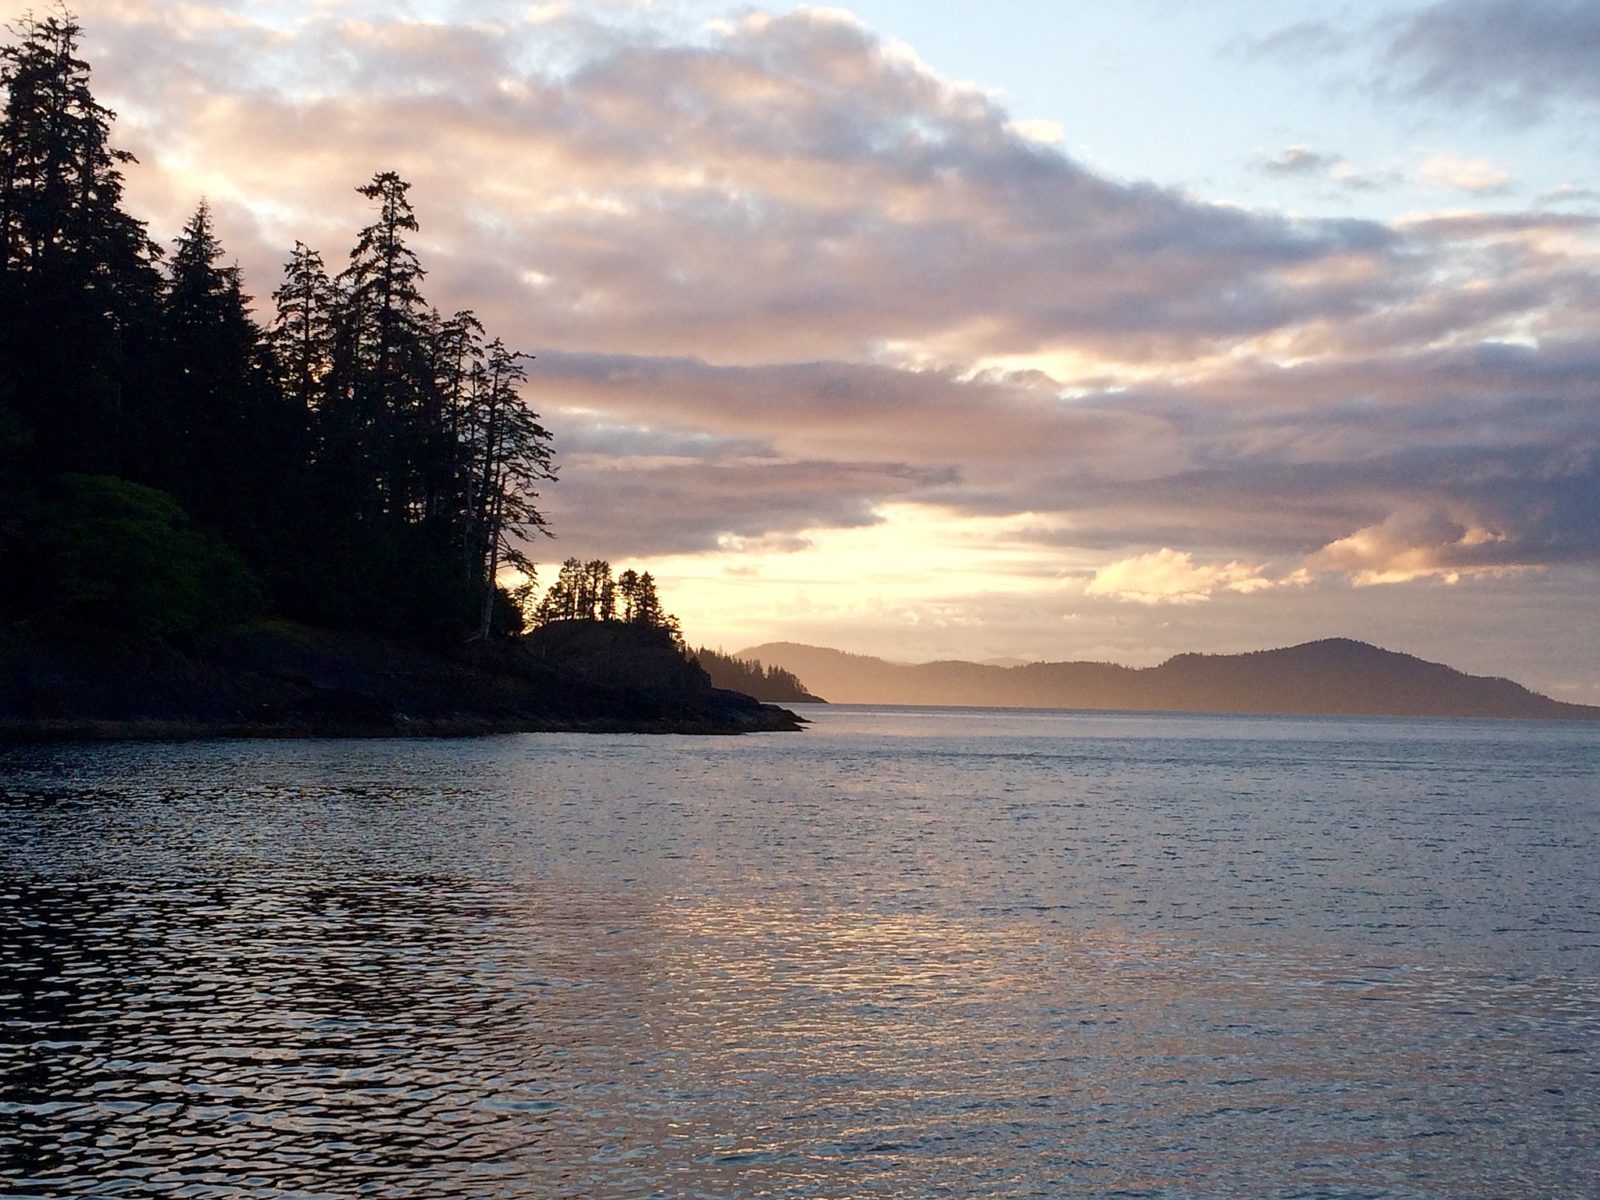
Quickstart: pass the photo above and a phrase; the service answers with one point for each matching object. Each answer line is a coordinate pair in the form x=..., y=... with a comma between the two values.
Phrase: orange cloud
x=1410, y=546
x=1170, y=576
x=1465, y=174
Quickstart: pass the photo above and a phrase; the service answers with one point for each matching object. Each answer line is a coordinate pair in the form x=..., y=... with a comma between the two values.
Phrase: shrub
x=119, y=555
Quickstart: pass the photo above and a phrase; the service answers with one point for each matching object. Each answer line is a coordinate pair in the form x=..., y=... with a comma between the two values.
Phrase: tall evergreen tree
x=458, y=354
x=233, y=443
x=586, y=591
x=302, y=332
x=212, y=356
x=370, y=457
x=512, y=458
x=383, y=406
x=60, y=182
x=77, y=283
x=564, y=599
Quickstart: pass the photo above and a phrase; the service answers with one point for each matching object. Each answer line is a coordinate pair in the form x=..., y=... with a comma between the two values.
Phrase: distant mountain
x=1335, y=677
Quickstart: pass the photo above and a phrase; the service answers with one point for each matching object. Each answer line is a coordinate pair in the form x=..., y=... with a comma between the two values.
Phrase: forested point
x=219, y=525
x=751, y=676
x=170, y=463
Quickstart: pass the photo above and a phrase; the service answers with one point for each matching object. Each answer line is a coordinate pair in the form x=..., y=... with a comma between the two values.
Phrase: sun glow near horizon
x=915, y=566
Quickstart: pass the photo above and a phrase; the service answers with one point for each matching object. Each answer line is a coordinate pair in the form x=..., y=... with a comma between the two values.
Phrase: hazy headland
x=1336, y=676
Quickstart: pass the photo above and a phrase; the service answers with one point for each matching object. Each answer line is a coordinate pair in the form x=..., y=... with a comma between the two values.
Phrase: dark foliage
x=167, y=462
x=110, y=554
x=586, y=591
x=750, y=676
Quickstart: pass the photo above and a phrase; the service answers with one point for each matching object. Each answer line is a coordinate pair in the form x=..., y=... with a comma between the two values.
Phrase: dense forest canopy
x=357, y=459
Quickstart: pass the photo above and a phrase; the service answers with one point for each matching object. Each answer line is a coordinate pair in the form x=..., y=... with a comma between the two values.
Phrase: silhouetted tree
x=628, y=593
x=750, y=676
x=586, y=591
x=371, y=459
x=458, y=350
x=77, y=285
x=563, y=600
x=646, y=607
x=211, y=359
x=384, y=409
x=301, y=335
x=512, y=456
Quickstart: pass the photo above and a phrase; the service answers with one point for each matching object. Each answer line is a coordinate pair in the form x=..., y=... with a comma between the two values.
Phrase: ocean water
x=906, y=953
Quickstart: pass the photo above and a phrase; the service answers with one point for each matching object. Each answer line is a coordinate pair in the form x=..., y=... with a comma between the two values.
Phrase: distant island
x=1333, y=677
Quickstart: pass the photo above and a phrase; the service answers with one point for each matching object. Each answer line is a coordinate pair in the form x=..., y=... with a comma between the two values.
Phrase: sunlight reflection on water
x=903, y=954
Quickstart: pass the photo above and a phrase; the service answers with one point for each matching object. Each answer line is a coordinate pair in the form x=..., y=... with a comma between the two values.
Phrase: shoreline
x=68, y=730
x=277, y=680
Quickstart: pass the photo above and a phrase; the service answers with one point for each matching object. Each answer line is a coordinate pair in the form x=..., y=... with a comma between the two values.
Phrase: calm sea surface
x=906, y=953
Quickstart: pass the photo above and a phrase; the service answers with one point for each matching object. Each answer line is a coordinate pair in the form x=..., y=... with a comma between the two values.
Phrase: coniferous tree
x=381, y=399
x=234, y=442
x=383, y=464
x=640, y=603
x=513, y=456
x=372, y=458
x=77, y=283
x=748, y=675
x=628, y=593
x=586, y=591
x=563, y=600
x=60, y=181
x=211, y=376
x=302, y=332
x=457, y=354
x=646, y=603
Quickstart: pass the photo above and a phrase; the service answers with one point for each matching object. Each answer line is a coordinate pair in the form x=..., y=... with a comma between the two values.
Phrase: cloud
x=1170, y=576
x=1475, y=175
x=1047, y=133
x=1570, y=193
x=632, y=509
x=1300, y=42
x=988, y=426
x=790, y=186
x=1303, y=162
x=1429, y=543
x=1300, y=160
x=782, y=277
x=1518, y=58
x=1255, y=463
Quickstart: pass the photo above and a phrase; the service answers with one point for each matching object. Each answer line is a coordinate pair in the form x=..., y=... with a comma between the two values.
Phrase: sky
x=1016, y=330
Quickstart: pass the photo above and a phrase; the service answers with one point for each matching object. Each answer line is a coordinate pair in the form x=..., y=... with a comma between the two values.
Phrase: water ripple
x=901, y=956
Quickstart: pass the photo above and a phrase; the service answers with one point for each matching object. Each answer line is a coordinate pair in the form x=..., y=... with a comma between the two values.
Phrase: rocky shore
x=275, y=679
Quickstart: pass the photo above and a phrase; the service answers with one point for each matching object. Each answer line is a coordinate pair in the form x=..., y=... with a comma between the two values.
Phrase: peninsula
x=317, y=521
x=272, y=678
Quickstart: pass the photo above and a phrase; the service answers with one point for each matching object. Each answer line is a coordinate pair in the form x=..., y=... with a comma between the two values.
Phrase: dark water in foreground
x=902, y=954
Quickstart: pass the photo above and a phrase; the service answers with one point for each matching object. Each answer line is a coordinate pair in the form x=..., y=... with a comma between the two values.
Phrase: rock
x=279, y=679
